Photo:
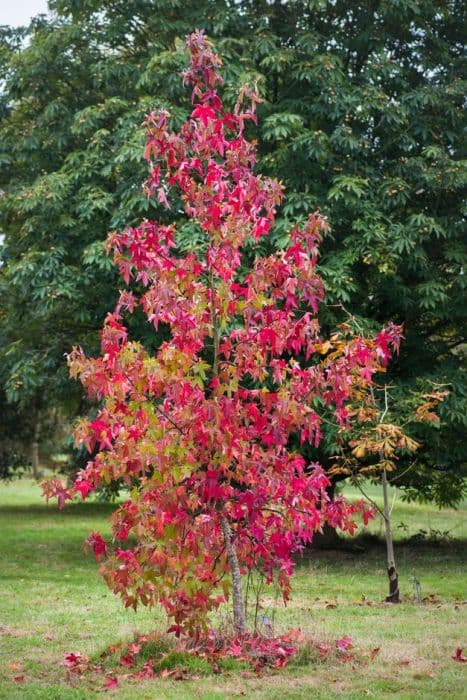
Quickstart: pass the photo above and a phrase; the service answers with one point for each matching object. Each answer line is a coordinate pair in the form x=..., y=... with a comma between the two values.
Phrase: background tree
x=362, y=118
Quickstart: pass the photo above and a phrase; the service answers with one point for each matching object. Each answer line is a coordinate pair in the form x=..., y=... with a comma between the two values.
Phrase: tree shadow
x=89, y=510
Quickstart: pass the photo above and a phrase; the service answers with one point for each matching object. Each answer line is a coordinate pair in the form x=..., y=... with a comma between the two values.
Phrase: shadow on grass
x=423, y=552
x=362, y=544
x=72, y=510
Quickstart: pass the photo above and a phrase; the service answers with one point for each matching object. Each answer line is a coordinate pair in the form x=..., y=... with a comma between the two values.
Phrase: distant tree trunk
x=35, y=447
x=237, y=595
x=393, y=596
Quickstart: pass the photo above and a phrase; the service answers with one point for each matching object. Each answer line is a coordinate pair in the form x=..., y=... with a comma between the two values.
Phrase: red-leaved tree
x=201, y=431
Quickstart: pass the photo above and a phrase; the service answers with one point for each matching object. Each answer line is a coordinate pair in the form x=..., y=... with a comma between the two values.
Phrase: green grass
x=52, y=601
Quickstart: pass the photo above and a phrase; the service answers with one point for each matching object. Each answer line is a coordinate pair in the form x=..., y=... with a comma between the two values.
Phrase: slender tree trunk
x=35, y=447
x=393, y=596
x=237, y=595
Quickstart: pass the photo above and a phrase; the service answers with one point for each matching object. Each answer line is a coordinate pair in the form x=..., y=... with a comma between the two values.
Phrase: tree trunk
x=35, y=448
x=237, y=595
x=393, y=596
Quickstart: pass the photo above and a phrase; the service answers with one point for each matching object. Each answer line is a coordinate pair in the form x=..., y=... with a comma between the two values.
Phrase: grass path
x=52, y=601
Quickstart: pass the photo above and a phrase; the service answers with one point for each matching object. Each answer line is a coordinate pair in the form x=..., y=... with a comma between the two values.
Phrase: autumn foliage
x=201, y=431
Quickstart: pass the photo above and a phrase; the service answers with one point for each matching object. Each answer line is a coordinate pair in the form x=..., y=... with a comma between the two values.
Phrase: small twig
x=386, y=407
x=390, y=481
x=169, y=419
x=393, y=501
x=370, y=499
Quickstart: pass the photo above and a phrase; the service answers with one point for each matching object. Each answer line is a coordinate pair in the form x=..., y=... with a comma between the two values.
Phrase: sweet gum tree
x=201, y=431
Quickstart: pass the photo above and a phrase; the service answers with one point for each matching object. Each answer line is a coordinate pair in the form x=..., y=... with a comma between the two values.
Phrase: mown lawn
x=52, y=601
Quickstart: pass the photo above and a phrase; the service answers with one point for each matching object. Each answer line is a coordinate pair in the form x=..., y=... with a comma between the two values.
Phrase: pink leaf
x=110, y=683
x=344, y=643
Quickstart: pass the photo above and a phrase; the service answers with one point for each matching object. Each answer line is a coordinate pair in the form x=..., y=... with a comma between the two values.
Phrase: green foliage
x=362, y=118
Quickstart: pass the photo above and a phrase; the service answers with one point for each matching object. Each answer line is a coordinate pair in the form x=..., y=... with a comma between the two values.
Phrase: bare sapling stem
x=394, y=596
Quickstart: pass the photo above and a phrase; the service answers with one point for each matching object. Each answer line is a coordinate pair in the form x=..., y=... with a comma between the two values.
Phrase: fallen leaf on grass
x=432, y=598
x=404, y=662
x=344, y=643
x=166, y=672
x=346, y=658
x=110, y=683
x=146, y=672
x=127, y=660
x=15, y=666
x=75, y=661
x=18, y=679
x=181, y=674
x=458, y=656
x=134, y=649
x=374, y=652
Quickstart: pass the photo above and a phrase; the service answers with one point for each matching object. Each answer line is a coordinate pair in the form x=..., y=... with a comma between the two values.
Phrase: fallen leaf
x=75, y=661
x=458, y=656
x=146, y=672
x=344, y=643
x=346, y=658
x=14, y=666
x=18, y=679
x=110, y=683
x=374, y=652
x=181, y=674
x=166, y=672
x=127, y=661
x=134, y=649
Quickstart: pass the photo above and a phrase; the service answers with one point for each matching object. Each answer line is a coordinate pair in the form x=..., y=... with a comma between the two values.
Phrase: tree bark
x=237, y=595
x=394, y=596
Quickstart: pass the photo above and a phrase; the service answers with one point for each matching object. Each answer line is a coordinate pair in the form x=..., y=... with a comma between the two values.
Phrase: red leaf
x=344, y=643
x=73, y=659
x=323, y=648
x=97, y=544
x=127, y=660
x=84, y=487
x=110, y=683
x=458, y=656
x=134, y=649
x=205, y=113
x=18, y=679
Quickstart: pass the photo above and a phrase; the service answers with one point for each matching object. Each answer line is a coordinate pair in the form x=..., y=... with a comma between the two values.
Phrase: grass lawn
x=52, y=601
